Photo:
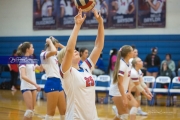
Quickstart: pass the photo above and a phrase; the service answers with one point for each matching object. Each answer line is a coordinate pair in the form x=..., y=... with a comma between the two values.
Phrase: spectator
x=112, y=61
x=170, y=63
x=83, y=54
x=99, y=68
x=165, y=71
x=14, y=72
x=152, y=63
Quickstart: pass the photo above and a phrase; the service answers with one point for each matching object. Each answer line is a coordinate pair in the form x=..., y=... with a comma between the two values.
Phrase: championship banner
x=151, y=13
x=122, y=13
x=44, y=14
x=102, y=7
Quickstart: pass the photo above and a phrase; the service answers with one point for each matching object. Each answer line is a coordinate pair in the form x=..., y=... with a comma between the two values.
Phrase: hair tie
x=120, y=49
x=20, y=45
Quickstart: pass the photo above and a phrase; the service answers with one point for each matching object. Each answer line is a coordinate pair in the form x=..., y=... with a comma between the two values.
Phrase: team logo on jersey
x=89, y=81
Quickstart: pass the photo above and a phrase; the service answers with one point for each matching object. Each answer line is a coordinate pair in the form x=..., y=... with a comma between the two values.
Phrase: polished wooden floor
x=12, y=107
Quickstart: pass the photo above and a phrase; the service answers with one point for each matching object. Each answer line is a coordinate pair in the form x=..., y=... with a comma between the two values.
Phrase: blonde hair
x=54, y=41
x=123, y=52
x=134, y=61
x=21, y=51
x=61, y=54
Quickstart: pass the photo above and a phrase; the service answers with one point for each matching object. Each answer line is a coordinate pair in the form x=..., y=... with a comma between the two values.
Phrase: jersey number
x=89, y=81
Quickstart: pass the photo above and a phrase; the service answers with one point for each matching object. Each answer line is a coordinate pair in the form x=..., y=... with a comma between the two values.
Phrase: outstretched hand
x=78, y=19
x=97, y=15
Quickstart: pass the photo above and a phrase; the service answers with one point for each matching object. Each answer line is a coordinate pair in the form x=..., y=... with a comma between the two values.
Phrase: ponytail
x=116, y=68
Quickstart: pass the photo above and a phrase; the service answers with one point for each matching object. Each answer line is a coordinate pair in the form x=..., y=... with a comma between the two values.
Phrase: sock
x=62, y=117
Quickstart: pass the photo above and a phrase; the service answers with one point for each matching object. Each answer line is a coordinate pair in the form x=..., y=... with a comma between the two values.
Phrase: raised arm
x=67, y=60
x=99, y=43
x=52, y=48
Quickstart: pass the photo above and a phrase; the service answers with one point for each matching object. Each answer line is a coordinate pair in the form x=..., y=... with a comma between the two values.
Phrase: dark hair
x=154, y=49
x=133, y=47
x=22, y=48
x=168, y=54
x=82, y=51
x=54, y=40
x=14, y=52
x=114, y=52
x=166, y=65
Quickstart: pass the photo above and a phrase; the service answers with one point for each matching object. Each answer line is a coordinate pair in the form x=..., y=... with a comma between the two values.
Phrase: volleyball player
x=27, y=76
x=78, y=82
x=120, y=83
x=53, y=86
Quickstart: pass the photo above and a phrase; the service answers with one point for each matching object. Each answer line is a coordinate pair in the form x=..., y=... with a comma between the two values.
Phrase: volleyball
x=85, y=5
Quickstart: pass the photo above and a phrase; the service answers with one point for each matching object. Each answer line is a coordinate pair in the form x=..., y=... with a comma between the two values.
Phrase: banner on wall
x=59, y=14
x=66, y=12
x=102, y=7
x=122, y=13
x=44, y=14
x=151, y=13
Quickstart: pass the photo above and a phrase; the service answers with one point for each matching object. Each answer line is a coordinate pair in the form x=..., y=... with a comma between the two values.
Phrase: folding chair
x=102, y=86
x=149, y=79
x=162, y=80
x=174, y=89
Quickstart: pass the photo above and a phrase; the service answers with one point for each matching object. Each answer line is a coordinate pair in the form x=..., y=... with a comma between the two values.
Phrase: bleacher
x=165, y=44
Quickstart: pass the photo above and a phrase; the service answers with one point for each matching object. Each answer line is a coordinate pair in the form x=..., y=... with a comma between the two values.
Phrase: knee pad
x=29, y=113
x=48, y=117
x=138, y=98
x=133, y=111
x=62, y=117
x=123, y=117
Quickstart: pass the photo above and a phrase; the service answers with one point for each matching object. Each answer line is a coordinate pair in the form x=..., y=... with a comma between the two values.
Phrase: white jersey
x=46, y=6
x=124, y=70
x=79, y=87
x=30, y=72
x=68, y=9
x=50, y=65
x=123, y=6
x=159, y=10
x=135, y=75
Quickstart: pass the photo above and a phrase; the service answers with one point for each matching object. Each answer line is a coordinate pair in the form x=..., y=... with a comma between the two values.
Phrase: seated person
x=99, y=67
x=165, y=71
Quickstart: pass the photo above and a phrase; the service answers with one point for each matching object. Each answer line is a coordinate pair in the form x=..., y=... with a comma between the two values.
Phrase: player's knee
x=48, y=117
x=123, y=117
x=133, y=111
x=29, y=113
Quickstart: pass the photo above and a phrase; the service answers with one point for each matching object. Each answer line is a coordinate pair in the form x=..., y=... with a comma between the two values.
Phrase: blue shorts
x=27, y=90
x=53, y=84
x=153, y=69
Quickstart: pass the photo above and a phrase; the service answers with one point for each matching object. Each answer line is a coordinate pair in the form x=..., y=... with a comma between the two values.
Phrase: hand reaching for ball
x=97, y=15
x=78, y=19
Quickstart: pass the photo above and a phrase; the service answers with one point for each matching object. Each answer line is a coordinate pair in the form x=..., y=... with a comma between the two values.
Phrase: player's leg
x=52, y=99
x=27, y=95
x=137, y=96
x=133, y=106
x=122, y=110
x=61, y=104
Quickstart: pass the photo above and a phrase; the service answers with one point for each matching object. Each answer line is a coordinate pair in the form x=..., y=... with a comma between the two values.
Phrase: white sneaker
x=140, y=112
x=115, y=110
